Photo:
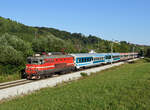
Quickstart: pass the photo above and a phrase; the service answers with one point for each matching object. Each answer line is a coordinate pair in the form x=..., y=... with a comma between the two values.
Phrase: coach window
x=108, y=57
x=90, y=59
x=87, y=59
x=82, y=59
x=78, y=60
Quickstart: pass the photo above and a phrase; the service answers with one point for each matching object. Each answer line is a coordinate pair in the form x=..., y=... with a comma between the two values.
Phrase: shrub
x=83, y=74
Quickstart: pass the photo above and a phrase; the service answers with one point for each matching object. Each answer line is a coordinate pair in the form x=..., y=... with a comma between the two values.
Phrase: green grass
x=126, y=87
x=9, y=77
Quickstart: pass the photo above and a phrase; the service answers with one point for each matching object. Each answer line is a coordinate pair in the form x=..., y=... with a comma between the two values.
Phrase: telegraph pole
x=35, y=34
x=133, y=52
x=112, y=52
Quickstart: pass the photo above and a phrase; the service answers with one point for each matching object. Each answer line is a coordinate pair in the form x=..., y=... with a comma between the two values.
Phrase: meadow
x=120, y=88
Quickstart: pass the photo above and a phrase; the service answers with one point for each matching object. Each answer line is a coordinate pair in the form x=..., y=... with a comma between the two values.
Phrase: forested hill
x=17, y=41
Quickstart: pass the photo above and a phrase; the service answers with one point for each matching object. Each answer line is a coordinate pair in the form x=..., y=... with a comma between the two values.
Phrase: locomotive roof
x=50, y=56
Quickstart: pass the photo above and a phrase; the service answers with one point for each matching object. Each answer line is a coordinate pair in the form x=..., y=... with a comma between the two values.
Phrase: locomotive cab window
x=29, y=61
x=35, y=61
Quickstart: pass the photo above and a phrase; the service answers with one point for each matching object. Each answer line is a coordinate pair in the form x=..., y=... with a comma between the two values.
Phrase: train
x=45, y=65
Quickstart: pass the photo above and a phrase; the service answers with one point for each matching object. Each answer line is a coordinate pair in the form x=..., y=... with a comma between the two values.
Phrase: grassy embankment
x=9, y=77
x=121, y=88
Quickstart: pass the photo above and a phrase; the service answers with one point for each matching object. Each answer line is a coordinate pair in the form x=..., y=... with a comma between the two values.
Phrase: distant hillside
x=17, y=41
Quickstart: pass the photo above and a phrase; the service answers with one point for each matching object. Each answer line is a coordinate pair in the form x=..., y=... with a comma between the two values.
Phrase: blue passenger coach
x=98, y=58
x=88, y=59
x=82, y=60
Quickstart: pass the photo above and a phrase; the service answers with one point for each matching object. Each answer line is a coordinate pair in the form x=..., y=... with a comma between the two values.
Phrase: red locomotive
x=40, y=66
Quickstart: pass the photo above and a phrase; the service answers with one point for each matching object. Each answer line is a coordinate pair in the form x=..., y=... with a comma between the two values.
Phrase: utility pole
x=133, y=52
x=112, y=52
x=143, y=52
x=98, y=45
x=35, y=34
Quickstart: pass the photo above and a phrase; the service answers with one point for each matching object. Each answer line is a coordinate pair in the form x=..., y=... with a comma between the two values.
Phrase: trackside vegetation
x=120, y=88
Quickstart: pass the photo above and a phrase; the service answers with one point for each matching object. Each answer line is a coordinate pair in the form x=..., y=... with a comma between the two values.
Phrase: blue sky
x=127, y=20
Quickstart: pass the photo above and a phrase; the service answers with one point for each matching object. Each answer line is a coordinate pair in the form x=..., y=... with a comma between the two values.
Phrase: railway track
x=14, y=83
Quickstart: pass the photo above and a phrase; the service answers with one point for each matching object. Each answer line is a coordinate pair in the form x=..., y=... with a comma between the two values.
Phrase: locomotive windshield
x=35, y=61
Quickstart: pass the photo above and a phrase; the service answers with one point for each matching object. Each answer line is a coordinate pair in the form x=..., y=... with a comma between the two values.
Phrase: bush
x=83, y=74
